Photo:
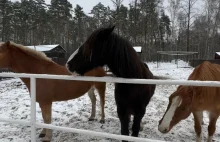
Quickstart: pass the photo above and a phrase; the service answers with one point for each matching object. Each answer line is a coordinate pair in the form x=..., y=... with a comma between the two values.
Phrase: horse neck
x=23, y=63
x=127, y=66
x=38, y=67
x=125, y=70
x=28, y=66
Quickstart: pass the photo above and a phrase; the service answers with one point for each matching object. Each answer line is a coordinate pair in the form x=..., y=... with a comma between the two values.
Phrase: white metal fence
x=35, y=125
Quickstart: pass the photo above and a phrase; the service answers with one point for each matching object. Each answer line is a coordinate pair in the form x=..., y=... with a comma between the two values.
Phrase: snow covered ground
x=15, y=104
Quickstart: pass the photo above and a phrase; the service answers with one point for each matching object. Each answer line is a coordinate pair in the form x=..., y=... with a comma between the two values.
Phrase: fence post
x=33, y=109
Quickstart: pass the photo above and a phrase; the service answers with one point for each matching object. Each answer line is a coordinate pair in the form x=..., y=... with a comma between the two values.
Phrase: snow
x=15, y=104
x=217, y=53
x=137, y=48
x=43, y=47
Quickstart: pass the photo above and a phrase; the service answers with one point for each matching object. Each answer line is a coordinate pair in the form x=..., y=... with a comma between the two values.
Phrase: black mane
x=122, y=58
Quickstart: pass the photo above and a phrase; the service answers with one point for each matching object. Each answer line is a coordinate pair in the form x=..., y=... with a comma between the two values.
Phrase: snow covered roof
x=217, y=53
x=43, y=47
x=137, y=48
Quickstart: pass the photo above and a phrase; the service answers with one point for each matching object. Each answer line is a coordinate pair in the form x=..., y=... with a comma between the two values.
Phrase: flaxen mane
x=31, y=52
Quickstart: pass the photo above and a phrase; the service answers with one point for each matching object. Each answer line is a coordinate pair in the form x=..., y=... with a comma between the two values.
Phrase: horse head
x=89, y=55
x=5, y=55
x=179, y=108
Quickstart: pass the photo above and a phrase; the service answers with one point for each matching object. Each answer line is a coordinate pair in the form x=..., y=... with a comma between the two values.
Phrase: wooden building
x=56, y=52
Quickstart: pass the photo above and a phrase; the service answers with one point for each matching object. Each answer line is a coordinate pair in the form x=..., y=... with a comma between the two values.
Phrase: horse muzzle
x=163, y=129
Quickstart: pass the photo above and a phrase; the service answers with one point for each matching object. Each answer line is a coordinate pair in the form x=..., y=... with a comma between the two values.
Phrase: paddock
x=15, y=105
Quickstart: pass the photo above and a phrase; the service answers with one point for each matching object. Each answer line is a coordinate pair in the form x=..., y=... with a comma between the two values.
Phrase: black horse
x=104, y=47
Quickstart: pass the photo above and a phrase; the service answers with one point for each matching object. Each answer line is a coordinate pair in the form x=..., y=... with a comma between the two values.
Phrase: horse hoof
x=102, y=121
x=42, y=135
x=92, y=119
x=46, y=139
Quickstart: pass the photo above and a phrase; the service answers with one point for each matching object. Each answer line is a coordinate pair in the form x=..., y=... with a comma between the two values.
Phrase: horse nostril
x=165, y=130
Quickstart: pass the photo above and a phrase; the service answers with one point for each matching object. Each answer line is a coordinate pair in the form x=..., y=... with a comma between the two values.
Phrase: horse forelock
x=90, y=42
x=184, y=92
x=184, y=89
x=31, y=52
x=88, y=45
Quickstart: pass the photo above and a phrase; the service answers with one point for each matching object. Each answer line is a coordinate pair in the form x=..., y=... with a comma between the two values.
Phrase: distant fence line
x=196, y=62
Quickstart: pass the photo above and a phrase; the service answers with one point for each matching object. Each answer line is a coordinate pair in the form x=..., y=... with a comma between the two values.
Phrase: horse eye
x=183, y=108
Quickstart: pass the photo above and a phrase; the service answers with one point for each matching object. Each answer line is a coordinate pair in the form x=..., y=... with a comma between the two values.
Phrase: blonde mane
x=31, y=52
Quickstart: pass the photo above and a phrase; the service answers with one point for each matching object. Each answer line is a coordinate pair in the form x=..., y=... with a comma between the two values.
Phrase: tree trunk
x=188, y=25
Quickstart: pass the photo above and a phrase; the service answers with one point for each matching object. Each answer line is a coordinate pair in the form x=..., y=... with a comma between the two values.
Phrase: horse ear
x=4, y=46
x=104, y=34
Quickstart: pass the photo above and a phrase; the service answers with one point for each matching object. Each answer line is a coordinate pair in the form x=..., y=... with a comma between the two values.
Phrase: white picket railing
x=35, y=125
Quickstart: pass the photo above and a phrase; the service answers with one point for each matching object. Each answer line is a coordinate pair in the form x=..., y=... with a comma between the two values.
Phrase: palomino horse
x=103, y=47
x=21, y=59
x=190, y=99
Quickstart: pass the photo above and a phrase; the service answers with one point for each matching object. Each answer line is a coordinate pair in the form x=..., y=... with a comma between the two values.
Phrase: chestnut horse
x=192, y=99
x=21, y=59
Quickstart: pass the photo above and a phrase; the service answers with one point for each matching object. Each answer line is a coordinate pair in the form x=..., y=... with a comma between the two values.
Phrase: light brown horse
x=191, y=99
x=21, y=59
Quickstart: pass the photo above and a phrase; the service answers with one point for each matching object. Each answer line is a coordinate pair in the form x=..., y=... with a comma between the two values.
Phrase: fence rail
x=116, y=80
x=35, y=125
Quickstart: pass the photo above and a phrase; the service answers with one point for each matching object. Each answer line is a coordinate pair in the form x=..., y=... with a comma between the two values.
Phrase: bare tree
x=212, y=14
x=188, y=8
x=174, y=6
x=3, y=18
x=117, y=4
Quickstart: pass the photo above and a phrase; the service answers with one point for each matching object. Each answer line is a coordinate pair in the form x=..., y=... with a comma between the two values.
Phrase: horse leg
x=46, y=113
x=212, y=125
x=124, y=119
x=141, y=126
x=129, y=117
x=197, y=126
x=101, y=91
x=139, y=114
x=200, y=114
x=93, y=100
